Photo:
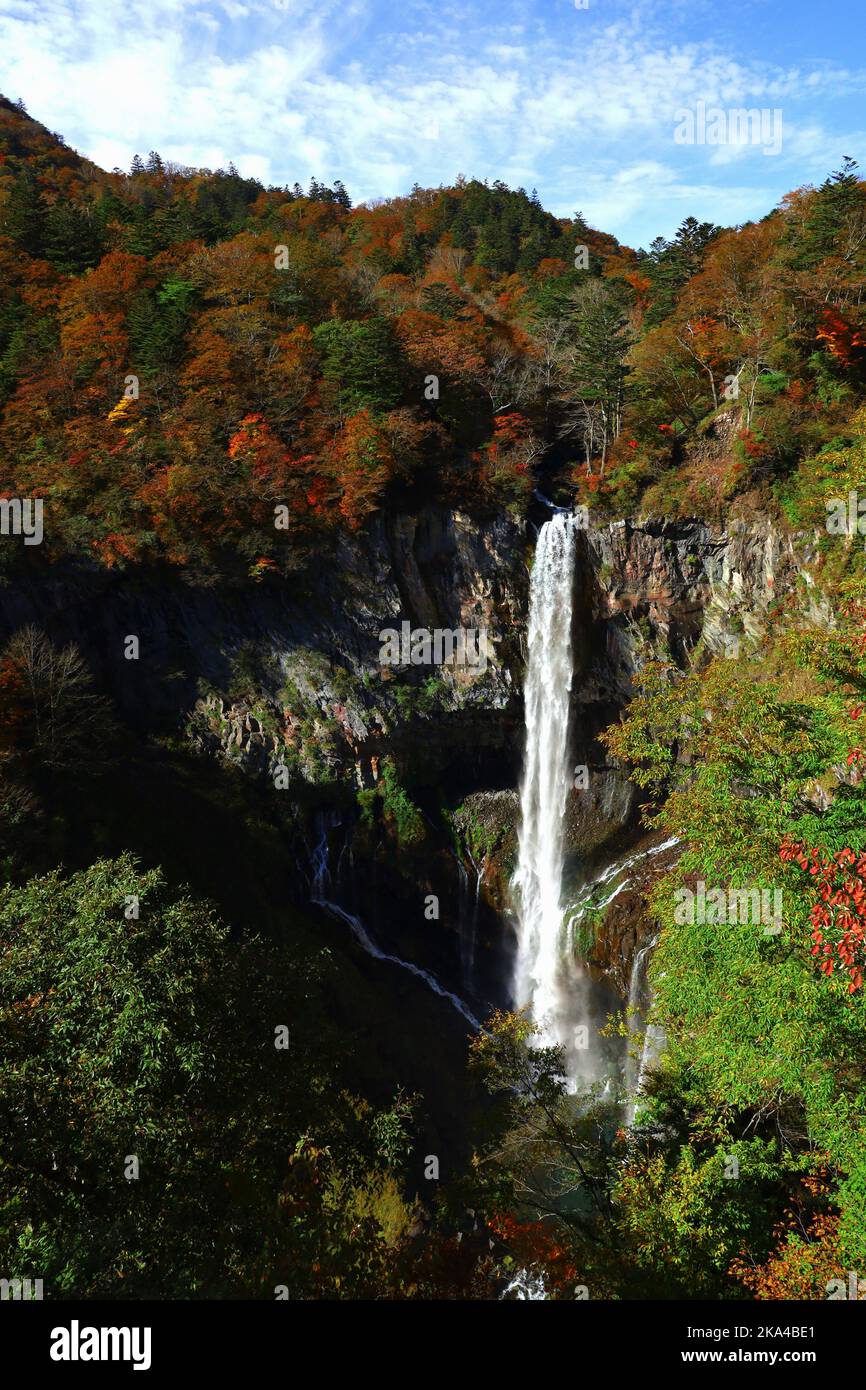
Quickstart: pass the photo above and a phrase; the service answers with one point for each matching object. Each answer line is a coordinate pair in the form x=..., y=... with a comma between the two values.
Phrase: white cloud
x=291, y=88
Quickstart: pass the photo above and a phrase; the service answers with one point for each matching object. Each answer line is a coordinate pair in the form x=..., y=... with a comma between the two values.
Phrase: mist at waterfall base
x=551, y=983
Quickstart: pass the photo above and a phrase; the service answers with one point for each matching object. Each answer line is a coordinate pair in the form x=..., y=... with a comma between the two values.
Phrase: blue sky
x=580, y=103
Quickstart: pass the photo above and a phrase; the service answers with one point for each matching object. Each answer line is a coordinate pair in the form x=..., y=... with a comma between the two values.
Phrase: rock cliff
x=289, y=675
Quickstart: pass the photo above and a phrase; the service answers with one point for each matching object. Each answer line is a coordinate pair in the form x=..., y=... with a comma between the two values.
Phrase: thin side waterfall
x=467, y=909
x=616, y=875
x=638, y=1001
x=550, y=988
x=653, y=1049
x=321, y=885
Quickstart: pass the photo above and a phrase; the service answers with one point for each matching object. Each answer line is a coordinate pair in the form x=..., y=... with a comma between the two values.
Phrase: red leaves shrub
x=839, y=916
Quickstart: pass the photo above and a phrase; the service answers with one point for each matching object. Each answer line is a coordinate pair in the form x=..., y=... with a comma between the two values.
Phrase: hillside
x=264, y=426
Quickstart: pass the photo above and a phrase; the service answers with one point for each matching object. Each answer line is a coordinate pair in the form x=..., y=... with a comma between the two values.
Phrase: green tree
x=835, y=205
x=24, y=215
x=72, y=237
x=360, y=360
x=670, y=264
x=157, y=1143
x=738, y=764
x=593, y=391
x=158, y=323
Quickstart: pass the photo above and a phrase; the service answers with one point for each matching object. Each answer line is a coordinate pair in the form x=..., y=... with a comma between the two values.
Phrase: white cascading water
x=320, y=886
x=638, y=999
x=545, y=984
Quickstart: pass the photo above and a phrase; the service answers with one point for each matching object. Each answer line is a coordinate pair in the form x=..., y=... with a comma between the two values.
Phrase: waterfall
x=637, y=1003
x=468, y=911
x=653, y=1049
x=321, y=885
x=544, y=982
x=463, y=917
x=653, y=1042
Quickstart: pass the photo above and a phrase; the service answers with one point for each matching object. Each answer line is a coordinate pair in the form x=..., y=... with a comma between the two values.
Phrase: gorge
x=421, y=613
x=522, y=860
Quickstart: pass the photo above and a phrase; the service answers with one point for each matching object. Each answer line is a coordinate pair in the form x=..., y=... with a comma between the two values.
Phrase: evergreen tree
x=73, y=240
x=834, y=204
x=597, y=368
x=671, y=264
x=442, y=301
x=23, y=218
x=341, y=197
x=360, y=358
x=157, y=324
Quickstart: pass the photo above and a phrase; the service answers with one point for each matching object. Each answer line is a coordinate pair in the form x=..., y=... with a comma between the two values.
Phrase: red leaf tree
x=839, y=916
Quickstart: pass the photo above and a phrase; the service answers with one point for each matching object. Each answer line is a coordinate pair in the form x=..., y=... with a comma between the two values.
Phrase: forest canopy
x=186, y=354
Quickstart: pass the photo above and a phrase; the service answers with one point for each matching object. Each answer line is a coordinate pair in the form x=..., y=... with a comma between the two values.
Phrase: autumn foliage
x=808, y=1252
x=839, y=916
x=535, y=1248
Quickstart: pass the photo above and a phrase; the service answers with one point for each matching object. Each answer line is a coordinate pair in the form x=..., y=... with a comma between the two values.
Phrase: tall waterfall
x=544, y=982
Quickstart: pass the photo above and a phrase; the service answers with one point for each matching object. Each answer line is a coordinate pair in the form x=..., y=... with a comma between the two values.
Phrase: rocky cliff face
x=286, y=681
x=259, y=662
x=321, y=698
x=676, y=591
x=289, y=675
